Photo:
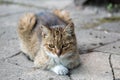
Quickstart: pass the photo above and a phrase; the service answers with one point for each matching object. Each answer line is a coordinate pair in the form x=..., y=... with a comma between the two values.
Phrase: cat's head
x=59, y=40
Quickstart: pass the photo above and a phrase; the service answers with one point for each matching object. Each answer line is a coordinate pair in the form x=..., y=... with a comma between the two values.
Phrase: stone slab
x=20, y=60
x=94, y=66
x=29, y=72
x=42, y=75
x=9, y=43
x=44, y=3
x=12, y=9
x=110, y=48
x=115, y=60
x=86, y=17
x=91, y=39
x=111, y=27
x=11, y=71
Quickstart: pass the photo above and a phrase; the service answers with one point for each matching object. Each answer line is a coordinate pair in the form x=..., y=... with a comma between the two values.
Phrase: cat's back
x=49, y=19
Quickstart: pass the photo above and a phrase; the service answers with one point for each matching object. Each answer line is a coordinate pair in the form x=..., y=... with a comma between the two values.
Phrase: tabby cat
x=48, y=38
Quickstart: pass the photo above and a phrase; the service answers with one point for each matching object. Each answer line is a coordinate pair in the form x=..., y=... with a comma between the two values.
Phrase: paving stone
x=44, y=3
x=110, y=48
x=42, y=75
x=9, y=71
x=6, y=10
x=94, y=66
x=111, y=27
x=85, y=17
x=29, y=72
x=91, y=39
x=9, y=44
x=20, y=60
x=115, y=60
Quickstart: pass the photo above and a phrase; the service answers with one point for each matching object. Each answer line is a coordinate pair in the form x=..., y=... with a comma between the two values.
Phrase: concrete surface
x=98, y=42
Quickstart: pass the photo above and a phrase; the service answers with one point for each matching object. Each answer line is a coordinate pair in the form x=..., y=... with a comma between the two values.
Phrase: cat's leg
x=41, y=61
x=26, y=36
x=75, y=61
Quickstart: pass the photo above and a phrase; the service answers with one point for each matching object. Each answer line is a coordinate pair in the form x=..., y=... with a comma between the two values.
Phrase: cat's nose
x=58, y=52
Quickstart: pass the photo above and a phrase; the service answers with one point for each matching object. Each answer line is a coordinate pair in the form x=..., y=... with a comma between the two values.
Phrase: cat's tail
x=26, y=23
x=62, y=14
x=28, y=39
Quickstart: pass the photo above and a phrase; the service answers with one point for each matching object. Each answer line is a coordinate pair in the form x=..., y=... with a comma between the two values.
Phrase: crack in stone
x=93, y=49
x=15, y=54
x=106, y=52
x=104, y=44
x=7, y=58
x=111, y=66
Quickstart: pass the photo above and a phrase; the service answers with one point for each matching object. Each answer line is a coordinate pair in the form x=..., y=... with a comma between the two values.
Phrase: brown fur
x=47, y=36
x=29, y=40
x=64, y=15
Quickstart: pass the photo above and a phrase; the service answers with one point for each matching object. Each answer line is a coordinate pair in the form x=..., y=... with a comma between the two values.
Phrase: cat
x=48, y=38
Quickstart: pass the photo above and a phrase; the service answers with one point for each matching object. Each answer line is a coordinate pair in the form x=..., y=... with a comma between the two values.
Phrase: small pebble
x=94, y=44
x=96, y=36
x=20, y=79
x=101, y=44
x=106, y=72
x=104, y=36
x=91, y=33
x=16, y=63
x=114, y=47
x=84, y=45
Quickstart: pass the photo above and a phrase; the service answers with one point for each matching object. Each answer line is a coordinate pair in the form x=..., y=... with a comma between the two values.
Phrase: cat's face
x=59, y=41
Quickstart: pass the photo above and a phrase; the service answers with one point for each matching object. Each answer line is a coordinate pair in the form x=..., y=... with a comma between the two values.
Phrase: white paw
x=60, y=70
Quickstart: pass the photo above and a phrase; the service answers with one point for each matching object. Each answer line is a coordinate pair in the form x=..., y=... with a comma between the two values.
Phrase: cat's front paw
x=60, y=70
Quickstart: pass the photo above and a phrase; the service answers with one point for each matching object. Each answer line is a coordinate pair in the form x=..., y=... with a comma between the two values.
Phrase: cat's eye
x=51, y=46
x=65, y=45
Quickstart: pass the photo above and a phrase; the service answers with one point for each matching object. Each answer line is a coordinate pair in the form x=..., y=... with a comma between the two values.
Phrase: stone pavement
x=98, y=36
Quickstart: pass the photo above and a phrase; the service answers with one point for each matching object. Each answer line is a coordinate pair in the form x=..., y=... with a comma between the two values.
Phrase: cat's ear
x=69, y=28
x=45, y=31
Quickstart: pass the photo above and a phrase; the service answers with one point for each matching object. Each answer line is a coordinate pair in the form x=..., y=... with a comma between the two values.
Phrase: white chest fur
x=63, y=60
